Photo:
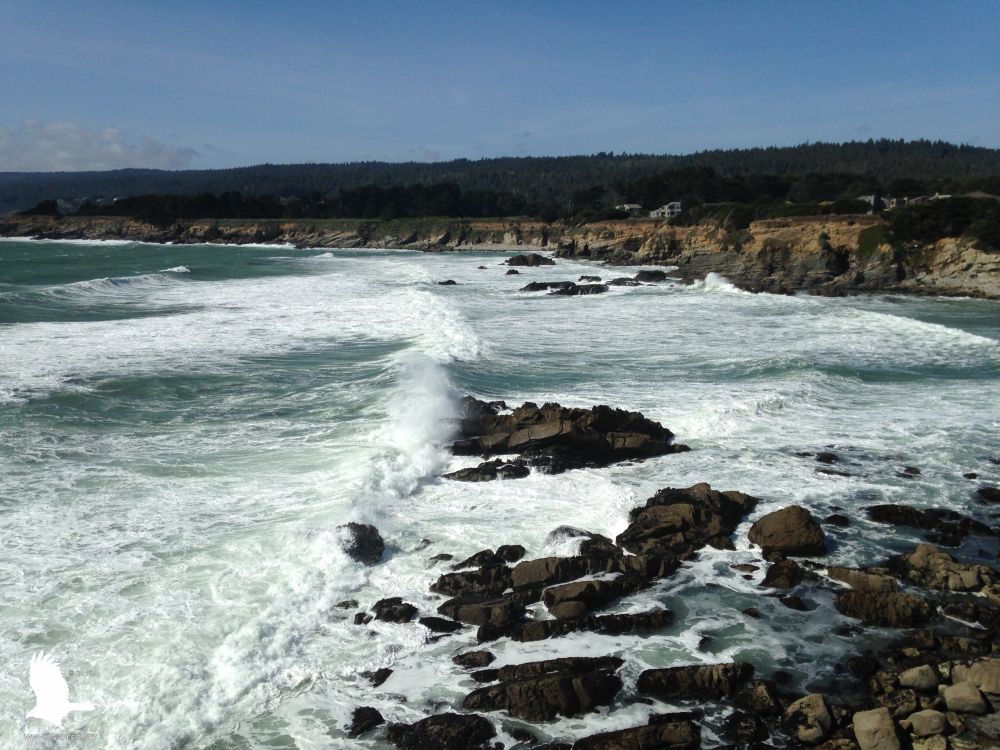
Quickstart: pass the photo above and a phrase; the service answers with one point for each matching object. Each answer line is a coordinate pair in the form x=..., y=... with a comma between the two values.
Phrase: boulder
x=697, y=681
x=925, y=723
x=593, y=594
x=989, y=495
x=393, y=609
x=651, y=276
x=759, y=698
x=786, y=574
x=447, y=282
x=875, y=730
x=541, y=691
x=892, y=609
x=985, y=674
x=568, y=610
x=363, y=719
x=487, y=471
x=808, y=719
x=536, y=630
x=530, y=259
x=513, y=272
x=662, y=733
x=440, y=624
x=449, y=731
x=575, y=290
x=943, y=526
x=926, y=565
x=624, y=282
x=499, y=611
x=965, y=698
x=791, y=530
x=923, y=678
x=378, y=676
x=743, y=727
x=593, y=279
x=541, y=286
x=364, y=543
x=483, y=581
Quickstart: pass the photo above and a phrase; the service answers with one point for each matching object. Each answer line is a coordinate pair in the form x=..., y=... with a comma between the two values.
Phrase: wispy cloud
x=57, y=146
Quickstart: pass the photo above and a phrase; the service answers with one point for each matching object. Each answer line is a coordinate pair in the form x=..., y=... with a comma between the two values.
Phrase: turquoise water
x=182, y=429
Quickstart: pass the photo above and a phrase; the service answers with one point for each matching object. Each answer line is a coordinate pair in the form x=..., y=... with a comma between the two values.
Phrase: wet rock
x=786, y=574
x=794, y=602
x=486, y=580
x=943, y=526
x=760, y=698
x=893, y=609
x=393, y=609
x=826, y=457
x=791, y=531
x=624, y=282
x=744, y=727
x=965, y=698
x=449, y=731
x=362, y=618
x=530, y=259
x=363, y=719
x=651, y=276
x=557, y=438
x=593, y=594
x=808, y=719
x=509, y=553
x=862, y=580
x=541, y=286
x=347, y=604
x=900, y=703
x=681, y=734
x=478, y=560
x=499, y=611
x=576, y=290
x=474, y=659
x=836, y=519
x=443, y=557
x=364, y=544
x=751, y=612
x=699, y=681
x=985, y=674
x=440, y=624
x=541, y=691
x=678, y=521
x=926, y=565
x=875, y=730
x=513, y=272
x=447, y=282
x=487, y=471
x=989, y=495
x=594, y=279
x=378, y=676
x=619, y=624
x=568, y=610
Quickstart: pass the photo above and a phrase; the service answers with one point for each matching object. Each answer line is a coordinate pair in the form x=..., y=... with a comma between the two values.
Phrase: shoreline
x=832, y=256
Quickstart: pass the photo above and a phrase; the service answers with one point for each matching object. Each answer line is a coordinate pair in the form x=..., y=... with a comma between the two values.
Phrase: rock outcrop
x=790, y=531
x=364, y=543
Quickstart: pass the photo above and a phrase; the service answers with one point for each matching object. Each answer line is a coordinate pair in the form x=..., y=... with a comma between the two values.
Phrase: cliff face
x=823, y=255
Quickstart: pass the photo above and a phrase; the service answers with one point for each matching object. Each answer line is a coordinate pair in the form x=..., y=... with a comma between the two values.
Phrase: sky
x=178, y=84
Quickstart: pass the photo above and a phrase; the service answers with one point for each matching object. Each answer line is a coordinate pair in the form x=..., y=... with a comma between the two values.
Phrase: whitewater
x=183, y=429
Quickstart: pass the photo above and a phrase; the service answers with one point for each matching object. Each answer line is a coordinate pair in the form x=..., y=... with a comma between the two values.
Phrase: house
x=666, y=211
x=632, y=209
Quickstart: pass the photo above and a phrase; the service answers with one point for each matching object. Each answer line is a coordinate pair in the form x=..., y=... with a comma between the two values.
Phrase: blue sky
x=208, y=84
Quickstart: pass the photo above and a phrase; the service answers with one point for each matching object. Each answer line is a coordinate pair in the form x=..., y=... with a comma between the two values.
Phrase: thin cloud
x=66, y=146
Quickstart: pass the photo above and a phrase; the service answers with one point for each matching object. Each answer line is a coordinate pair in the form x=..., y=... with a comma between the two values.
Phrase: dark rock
x=826, y=457
x=786, y=574
x=447, y=282
x=791, y=530
x=594, y=279
x=560, y=438
x=970, y=475
x=530, y=259
x=393, y=609
x=439, y=624
x=474, y=659
x=347, y=604
x=594, y=594
x=575, y=290
x=794, y=602
x=449, y=731
x=744, y=727
x=697, y=681
x=487, y=471
x=365, y=544
x=484, y=557
x=836, y=519
x=624, y=282
x=619, y=624
x=908, y=471
x=377, y=677
x=541, y=286
x=863, y=666
x=751, y=612
x=443, y=557
x=513, y=272
x=760, y=698
x=499, y=611
x=988, y=495
x=363, y=719
x=568, y=610
x=510, y=553
x=362, y=618
x=486, y=675
x=893, y=609
x=678, y=521
x=680, y=734
x=651, y=276
x=947, y=526
x=487, y=580
x=543, y=690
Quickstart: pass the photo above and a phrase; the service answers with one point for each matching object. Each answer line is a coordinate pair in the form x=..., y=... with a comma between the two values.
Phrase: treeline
x=537, y=180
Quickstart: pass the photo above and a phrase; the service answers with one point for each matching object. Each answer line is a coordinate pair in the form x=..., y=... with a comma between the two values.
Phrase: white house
x=668, y=211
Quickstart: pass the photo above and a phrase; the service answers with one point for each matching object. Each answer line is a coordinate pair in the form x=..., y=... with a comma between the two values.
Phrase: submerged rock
x=365, y=543
x=791, y=531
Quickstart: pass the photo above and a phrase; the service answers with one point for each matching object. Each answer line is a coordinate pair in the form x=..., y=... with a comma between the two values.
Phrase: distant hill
x=536, y=179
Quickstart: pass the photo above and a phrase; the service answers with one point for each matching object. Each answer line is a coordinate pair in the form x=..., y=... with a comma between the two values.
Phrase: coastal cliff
x=823, y=255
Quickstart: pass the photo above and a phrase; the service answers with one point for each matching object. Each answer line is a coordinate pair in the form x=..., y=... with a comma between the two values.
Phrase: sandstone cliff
x=824, y=255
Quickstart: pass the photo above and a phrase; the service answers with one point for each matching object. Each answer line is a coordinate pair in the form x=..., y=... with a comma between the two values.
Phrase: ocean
x=183, y=429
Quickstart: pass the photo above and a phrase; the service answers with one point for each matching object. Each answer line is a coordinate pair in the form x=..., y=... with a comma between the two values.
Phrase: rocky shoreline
x=821, y=255
x=934, y=686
